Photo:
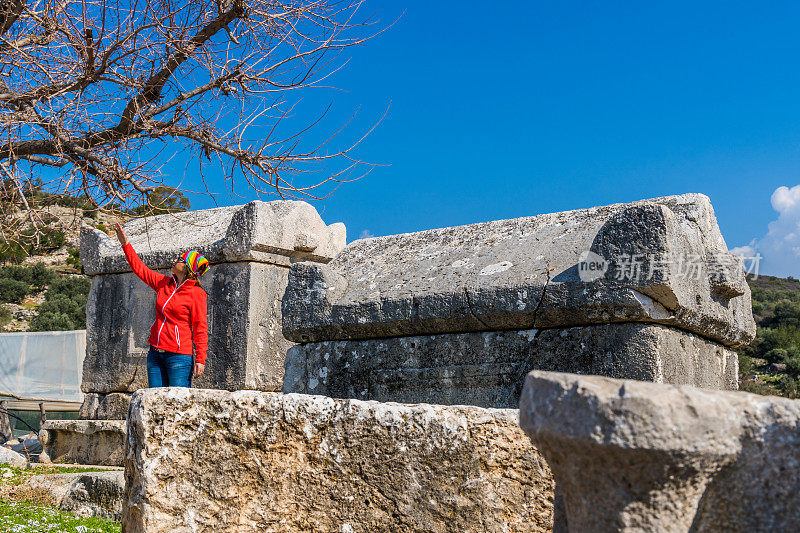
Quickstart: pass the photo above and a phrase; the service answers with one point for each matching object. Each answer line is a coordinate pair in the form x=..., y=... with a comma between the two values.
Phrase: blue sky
x=507, y=109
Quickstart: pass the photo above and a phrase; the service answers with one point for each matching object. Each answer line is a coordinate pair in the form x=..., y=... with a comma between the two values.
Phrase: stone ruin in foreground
x=635, y=456
x=449, y=322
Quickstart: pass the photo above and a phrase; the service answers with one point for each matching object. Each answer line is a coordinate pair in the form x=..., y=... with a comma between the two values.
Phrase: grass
x=25, y=510
x=19, y=517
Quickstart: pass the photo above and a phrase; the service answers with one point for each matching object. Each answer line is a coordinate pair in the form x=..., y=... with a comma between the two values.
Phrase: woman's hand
x=198, y=369
x=123, y=240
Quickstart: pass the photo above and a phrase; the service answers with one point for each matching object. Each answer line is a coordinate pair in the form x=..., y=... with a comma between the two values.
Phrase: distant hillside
x=771, y=363
x=45, y=291
x=41, y=283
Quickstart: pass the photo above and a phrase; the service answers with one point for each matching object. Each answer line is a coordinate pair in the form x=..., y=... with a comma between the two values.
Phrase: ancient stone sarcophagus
x=250, y=247
x=645, y=290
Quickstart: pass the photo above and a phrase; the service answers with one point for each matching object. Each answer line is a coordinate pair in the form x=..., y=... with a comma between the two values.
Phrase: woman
x=180, y=317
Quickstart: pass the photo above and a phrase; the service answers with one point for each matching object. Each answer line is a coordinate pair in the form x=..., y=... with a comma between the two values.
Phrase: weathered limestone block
x=113, y=406
x=88, y=442
x=665, y=262
x=83, y=494
x=246, y=348
x=635, y=456
x=488, y=368
x=96, y=494
x=278, y=232
x=202, y=460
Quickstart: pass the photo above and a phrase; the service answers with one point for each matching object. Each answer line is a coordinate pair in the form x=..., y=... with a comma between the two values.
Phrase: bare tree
x=97, y=95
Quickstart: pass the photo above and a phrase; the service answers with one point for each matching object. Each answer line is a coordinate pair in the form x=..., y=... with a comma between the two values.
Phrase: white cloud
x=780, y=247
x=365, y=234
x=745, y=251
x=785, y=199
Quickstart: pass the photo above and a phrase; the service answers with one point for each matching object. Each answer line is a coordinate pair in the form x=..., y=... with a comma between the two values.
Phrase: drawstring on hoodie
x=164, y=321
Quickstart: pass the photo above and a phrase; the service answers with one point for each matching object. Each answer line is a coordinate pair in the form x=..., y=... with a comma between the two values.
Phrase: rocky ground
x=23, y=313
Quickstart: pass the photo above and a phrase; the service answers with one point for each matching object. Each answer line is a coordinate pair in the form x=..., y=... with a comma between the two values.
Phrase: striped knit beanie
x=196, y=262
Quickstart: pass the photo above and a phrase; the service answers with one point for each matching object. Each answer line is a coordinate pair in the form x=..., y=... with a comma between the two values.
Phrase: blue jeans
x=167, y=369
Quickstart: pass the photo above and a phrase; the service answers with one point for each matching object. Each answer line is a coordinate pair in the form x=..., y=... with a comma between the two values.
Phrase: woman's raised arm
x=151, y=277
x=123, y=240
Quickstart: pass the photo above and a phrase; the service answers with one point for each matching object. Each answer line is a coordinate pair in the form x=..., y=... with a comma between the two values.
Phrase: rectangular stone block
x=657, y=261
x=252, y=461
x=488, y=368
x=635, y=456
x=87, y=442
x=113, y=406
x=245, y=346
x=84, y=494
x=276, y=232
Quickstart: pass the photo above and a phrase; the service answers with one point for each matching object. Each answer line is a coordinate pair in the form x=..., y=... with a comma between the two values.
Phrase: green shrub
x=74, y=259
x=776, y=355
x=54, y=321
x=162, y=200
x=782, y=336
x=71, y=286
x=62, y=303
x=26, y=245
x=37, y=275
x=777, y=310
x=81, y=202
x=19, y=273
x=746, y=365
x=757, y=387
x=41, y=276
x=12, y=290
x=52, y=240
x=786, y=313
x=793, y=367
x=13, y=252
x=64, y=307
x=790, y=387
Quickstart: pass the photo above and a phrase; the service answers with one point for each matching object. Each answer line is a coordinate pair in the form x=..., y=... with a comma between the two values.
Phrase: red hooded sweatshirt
x=180, y=311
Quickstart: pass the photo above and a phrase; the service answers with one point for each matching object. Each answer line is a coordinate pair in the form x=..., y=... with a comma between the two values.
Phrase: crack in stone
x=519, y=378
x=541, y=298
x=472, y=311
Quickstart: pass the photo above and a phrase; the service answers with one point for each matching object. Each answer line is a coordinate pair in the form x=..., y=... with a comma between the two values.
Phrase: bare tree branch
x=104, y=93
